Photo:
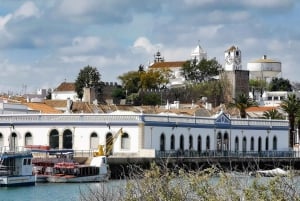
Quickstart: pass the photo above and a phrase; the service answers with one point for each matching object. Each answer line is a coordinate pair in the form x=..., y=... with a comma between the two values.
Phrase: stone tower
x=235, y=79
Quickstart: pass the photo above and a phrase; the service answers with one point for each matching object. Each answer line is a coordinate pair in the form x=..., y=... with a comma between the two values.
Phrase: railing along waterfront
x=233, y=154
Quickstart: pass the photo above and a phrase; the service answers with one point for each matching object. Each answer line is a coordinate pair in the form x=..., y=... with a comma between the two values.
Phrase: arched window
x=54, y=139
x=244, y=146
x=125, y=142
x=1, y=140
x=259, y=144
x=207, y=143
x=199, y=144
x=219, y=142
x=252, y=144
x=162, y=142
x=172, y=146
x=274, y=143
x=236, y=144
x=14, y=142
x=267, y=143
x=67, y=139
x=226, y=142
x=94, y=141
x=181, y=142
x=190, y=142
x=28, y=139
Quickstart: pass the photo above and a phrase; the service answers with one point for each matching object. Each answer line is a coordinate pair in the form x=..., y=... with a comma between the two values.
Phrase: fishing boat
x=71, y=172
x=16, y=169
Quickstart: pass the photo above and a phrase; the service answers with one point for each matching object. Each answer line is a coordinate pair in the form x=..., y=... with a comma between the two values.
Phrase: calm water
x=50, y=191
x=69, y=192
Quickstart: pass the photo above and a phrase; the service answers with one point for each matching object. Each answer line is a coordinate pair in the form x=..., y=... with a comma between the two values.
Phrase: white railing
x=28, y=118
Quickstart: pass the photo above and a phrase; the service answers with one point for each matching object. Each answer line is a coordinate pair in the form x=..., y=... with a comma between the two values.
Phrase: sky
x=44, y=43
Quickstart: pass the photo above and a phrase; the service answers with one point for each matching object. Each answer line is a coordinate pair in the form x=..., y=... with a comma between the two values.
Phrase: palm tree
x=291, y=106
x=272, y=114
x=242, y=102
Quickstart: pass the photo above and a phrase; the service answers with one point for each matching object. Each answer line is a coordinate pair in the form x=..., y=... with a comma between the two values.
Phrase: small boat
x=270, y=173
x=16, y=169
x=71, y=172
x=45, y=160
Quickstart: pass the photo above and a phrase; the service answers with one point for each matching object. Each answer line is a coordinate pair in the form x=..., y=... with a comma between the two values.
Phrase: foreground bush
x=162, y=184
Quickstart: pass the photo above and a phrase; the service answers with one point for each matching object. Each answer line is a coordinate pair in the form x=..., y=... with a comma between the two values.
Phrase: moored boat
x=45, y=160
x=16, y=169
x=70, y=172
x=270, y=173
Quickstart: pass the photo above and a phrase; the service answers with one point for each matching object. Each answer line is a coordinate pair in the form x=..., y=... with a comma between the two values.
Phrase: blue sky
x=43, y=43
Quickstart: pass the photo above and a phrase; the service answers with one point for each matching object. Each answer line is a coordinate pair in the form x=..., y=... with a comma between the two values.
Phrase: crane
x=107, y=149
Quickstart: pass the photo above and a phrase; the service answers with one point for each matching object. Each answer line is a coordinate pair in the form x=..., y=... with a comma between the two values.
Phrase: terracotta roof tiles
x=168, y=64
x=66, y=86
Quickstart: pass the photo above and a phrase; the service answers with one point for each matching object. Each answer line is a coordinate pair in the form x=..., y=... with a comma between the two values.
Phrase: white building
x=144, y=135
x=176, y=79
x=64, y=91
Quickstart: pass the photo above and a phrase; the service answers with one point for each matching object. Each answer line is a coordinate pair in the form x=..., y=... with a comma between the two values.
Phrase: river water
x=70, y=192
x=52, y=191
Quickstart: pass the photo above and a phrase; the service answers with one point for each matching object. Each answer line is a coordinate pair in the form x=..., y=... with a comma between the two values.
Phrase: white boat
x=16, y=169
x=270, y=173
x=70, y=172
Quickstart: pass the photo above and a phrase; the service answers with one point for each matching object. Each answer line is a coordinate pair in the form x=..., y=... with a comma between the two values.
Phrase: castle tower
x=237, y=79
x=233, y=59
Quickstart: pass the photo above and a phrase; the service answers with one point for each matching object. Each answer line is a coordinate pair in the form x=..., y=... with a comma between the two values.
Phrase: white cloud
x=28, y=9
x=81, y=45
x=143, y=43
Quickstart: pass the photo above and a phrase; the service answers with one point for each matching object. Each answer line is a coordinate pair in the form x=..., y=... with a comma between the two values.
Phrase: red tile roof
x=42, y=107
x=66, y=86
x=167, y=64
x=260, y=109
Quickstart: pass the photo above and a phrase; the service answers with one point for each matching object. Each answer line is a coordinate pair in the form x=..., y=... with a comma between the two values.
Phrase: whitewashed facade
x=144, y=134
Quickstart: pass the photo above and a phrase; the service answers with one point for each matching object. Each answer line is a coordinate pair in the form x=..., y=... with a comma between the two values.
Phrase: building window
x=199, y=146
x=252, y=144
x=1, y=140
x=244, y=144
x=274, y=143
x=190, y=142
x=172, y=142
x=226, y=142
x=67, y=139
x=207, y=143
x=236, y=144
x=267, y=144
x=219, y=142
x=28, y=139
x=181, y=142
x=125, y=141
x=14, y=142
x=162, y=142
x=54, y=139
x=94, y=141
x=259, y=144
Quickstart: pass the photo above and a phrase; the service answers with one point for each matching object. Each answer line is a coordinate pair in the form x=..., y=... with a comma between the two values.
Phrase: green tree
x=118, y=94
x=131, y=81
x=202, y=71
x=291, y=106
x=280, y=84
x=88, y=77
x=242, y=102
x=273, y=114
